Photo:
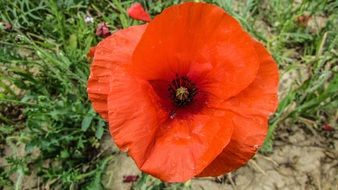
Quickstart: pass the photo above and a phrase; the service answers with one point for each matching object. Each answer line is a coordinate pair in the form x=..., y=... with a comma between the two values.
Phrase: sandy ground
x=298, y=162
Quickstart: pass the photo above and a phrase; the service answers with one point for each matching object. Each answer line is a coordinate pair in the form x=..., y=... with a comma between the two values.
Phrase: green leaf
x=99, y=132
x=64, y=154
x=86, y=122
x=96, y=181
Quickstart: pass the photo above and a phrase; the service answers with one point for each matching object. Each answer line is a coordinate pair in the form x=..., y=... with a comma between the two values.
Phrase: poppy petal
x=252, y=108
x=110, y=52
x=136, y=11
x=134, y=116
x=91, y=52
x=183, y=148
x=195, y=39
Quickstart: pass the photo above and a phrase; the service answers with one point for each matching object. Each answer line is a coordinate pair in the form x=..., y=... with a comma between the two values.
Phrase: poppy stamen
x=182, y=90
x=182, y=93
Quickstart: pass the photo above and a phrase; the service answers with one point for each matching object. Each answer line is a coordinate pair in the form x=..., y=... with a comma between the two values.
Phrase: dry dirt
x=299, y=161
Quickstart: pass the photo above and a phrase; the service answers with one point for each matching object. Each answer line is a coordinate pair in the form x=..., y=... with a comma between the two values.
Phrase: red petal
x=197, y=39
x=134, y=116
x=183, y=148
x=136, y=11
x=110, y=52
x=91, y=52
x=252, y=108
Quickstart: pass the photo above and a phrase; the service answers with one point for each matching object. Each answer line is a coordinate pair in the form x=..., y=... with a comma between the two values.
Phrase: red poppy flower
x=136, y=11
x=187, y=95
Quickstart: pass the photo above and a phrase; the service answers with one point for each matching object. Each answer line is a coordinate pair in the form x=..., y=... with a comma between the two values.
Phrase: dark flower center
x=182, y=90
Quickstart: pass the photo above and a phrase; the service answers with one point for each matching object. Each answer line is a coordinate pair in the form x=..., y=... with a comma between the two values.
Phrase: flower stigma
x=182, y=93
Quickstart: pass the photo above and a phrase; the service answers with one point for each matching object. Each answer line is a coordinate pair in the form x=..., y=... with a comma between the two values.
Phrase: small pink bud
x=102, y=30
x=7, y=26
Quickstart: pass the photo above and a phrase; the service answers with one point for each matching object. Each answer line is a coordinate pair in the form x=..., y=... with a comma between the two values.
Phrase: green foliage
x=45, y=70
x=47, y=120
